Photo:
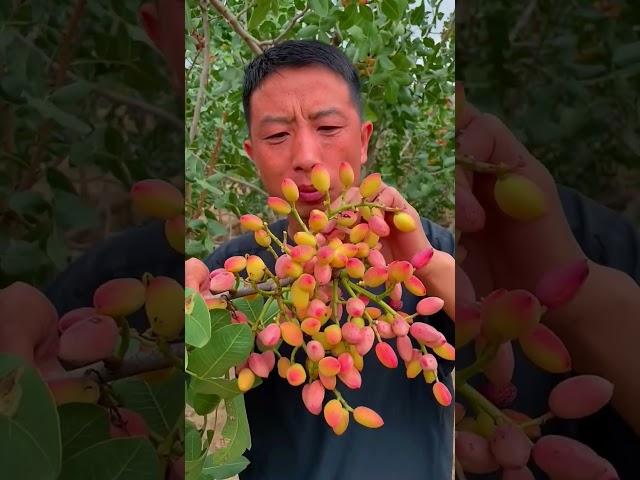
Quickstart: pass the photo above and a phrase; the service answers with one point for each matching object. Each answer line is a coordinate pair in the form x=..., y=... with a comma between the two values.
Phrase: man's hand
x=438, y=275
x=599, y=325
x=501, y=251
x=29, y=330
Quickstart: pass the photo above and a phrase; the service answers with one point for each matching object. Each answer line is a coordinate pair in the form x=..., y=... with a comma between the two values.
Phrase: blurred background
x=404, y=52
x=86, y=110
x=565, y=78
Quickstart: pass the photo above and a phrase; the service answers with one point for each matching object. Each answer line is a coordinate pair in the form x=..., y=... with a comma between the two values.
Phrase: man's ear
x=248, y=148
x=365, y=135
x=148, y=18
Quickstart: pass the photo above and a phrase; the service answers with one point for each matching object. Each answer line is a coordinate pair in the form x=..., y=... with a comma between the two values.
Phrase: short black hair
x=297, y=54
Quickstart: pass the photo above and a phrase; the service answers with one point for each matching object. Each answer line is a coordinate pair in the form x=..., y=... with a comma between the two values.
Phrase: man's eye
x=328, y=128
x=277, y=136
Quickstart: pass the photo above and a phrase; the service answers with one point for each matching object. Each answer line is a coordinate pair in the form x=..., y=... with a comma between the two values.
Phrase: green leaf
x=194, y=454
x=385, y=63
x=29, y=424
x=401, y=61
x=57, y=249
x=59, y=181
x=627, y=53
x=197, y=323
x=73, y=92
x=82, y=425
x=417, y=15
x=321, y=7
x=71, y=212
x=259, y=14
x=370, y=114
x=215, y=228
x=114, y=459
x=228, y=346
x=21, y=257
x=348, y=16
x=251, y=308
x=160, y=403
x=308, y=32
x=202, y=403
x=224, y=471
x=235, y=433
x=27, y=202
x=391, y=9
x=50, y=110
x=222, y=387
x=219, y=318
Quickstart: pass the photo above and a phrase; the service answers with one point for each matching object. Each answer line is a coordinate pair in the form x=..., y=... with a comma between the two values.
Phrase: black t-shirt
x=288, y=442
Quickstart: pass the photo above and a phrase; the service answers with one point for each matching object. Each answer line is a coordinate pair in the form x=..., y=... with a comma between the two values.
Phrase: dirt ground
x=215, y=422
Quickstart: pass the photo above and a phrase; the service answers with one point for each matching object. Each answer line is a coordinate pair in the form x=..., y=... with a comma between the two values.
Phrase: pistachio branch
x=135, y=364
x=136, y=103
x=268, y=286
x=204, y=75
x=253, y=43
x=287, y=29
x=470, y=163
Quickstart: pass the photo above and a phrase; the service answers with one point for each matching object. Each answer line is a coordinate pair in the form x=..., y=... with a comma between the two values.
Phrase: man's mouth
x=308, y=194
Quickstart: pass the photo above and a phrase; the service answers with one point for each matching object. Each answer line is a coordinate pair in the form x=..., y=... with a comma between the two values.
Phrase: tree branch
x=204, y=75
x=267, y=286
x=141, y=362
x=61, y=66
x=288, y=28
x=254, y=44
x=113, y=96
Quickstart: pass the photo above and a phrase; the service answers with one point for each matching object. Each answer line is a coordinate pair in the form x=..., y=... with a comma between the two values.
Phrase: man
x=302, y=107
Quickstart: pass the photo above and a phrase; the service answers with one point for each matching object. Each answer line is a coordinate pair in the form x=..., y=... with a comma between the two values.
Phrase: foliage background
x=405, y=55
x=86, y=109
x=565, y=78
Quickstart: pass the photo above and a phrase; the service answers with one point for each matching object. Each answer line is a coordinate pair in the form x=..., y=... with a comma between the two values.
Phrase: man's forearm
x=439, y=278
x=601, y=329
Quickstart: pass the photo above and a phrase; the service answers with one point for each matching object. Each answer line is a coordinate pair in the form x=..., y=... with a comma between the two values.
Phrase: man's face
x=301, y=117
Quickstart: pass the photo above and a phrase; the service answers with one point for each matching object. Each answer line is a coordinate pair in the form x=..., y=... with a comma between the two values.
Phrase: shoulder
x=129, y=253
x=606, y=236
x=241, y=245
x=439, y=237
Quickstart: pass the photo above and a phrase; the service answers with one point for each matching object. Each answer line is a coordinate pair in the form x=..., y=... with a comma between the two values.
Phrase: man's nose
x=306, y=152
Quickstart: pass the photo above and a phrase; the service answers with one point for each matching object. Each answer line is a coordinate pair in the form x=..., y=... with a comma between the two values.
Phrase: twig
x=61, y=66
x=204, y=75
x=522, y=21
x=245, y=10
x=113, y=96
x=215, y=153
x=245, y=183
x=288, y=28
x=267, y=286
x=471, y=163
x=254, y=44
x=193, y=64
x=141, y=362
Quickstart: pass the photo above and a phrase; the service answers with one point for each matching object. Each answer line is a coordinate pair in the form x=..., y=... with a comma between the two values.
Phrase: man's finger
x=470, y=216
x=390, y=197
x=89, y=340
x=465, y=112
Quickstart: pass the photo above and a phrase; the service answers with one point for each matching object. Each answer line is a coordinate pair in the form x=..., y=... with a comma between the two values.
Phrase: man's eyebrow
x=325, y=113
x=314, y=116
x=275, y=119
